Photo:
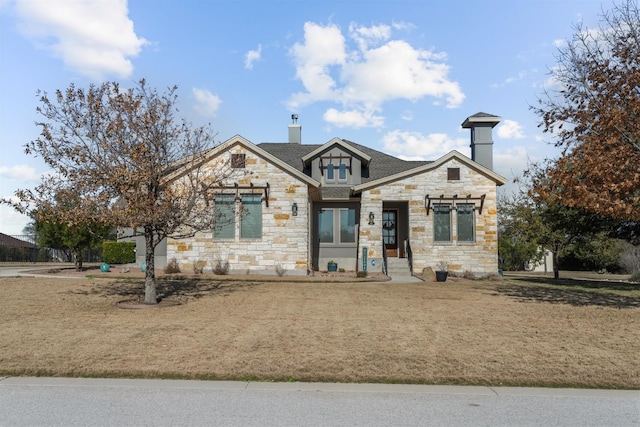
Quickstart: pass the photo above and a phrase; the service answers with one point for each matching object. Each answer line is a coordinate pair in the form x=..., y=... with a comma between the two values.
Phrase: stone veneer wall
x=479, y=257
x=285, y=238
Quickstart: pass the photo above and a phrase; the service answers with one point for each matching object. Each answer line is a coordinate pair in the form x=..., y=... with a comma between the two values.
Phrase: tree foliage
x=54, y=232
x=128, y=160
x=595, y=115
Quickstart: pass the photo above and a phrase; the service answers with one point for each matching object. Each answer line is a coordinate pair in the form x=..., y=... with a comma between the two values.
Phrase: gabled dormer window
x=343, y=163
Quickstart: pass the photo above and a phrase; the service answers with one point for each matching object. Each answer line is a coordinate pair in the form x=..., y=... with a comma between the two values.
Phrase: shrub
x=635, y=277
x=172, y=267
x=221, y=268
x=280, y=270
x=198, y=266
x=118, y=252
x=469, y=275
x=361, y=273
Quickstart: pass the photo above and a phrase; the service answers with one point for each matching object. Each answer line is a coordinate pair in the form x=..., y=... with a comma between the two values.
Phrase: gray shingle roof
x=382, y=165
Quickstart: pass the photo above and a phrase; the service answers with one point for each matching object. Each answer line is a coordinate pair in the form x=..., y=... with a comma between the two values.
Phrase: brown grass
x=510, y=332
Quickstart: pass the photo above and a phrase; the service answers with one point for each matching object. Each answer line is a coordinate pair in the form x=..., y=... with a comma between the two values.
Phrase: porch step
x=398, y=267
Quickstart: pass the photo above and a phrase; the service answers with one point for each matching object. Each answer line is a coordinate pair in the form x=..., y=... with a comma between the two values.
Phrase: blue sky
x=397, y=76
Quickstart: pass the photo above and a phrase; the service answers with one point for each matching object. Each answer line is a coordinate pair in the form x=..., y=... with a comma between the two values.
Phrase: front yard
x=510, y=332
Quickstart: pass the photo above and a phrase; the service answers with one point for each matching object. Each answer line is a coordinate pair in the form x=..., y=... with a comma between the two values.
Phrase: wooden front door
x=390, y=231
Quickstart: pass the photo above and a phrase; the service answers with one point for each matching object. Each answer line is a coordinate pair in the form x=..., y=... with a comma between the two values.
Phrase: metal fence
x=23, y=248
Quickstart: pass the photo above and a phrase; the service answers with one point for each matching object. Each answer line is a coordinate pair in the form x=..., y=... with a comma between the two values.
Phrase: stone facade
x=479, y=257
x=284, y=245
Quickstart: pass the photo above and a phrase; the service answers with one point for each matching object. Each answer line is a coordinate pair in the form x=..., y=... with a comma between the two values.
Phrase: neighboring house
x=298, y=206
x=17, y=250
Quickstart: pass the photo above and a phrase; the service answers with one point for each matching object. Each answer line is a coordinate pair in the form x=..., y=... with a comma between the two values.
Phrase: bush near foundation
x=118, y=252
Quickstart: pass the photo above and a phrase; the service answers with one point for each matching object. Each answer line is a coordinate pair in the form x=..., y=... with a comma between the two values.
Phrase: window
x=225, y=213
x=347, y=225
x=342, y=175
x=453, y=174
x=238, y=161
x=337, y=226
x=442, y=223
x=465, y=223
x=325, y=225
x=251, y=219
x=330, y=174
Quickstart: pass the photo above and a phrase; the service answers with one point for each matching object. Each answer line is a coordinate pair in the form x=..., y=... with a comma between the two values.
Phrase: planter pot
x=332, y=266
x=441, y=276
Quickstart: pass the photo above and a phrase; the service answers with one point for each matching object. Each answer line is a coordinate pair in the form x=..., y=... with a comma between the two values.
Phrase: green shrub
x=118, y=252
x=635, y=277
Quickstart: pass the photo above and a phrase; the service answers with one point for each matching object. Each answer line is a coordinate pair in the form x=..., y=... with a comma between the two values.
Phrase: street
x=81, y=401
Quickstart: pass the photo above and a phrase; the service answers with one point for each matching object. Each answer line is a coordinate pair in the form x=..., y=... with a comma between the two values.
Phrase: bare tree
x=130, y=162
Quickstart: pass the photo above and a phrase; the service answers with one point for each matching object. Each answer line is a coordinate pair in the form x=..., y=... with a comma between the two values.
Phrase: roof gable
x=498, y=179
x=240, y=140
x=365, y=158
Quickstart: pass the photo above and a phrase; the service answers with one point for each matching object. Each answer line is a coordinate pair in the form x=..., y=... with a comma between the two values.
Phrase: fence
x=23, y=248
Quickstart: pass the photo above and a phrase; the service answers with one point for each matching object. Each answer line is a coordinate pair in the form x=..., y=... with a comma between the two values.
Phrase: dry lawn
x=511, y=332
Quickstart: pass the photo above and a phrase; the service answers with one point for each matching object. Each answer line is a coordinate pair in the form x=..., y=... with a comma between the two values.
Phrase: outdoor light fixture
x=294, y=209
x=371, y=217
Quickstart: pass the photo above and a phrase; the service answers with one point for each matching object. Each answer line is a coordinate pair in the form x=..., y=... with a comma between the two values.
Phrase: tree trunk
x=150, y=296
x=556, y=267
x=77, y=258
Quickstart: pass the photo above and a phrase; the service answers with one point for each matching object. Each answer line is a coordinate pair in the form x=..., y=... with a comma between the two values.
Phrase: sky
x=397, y=76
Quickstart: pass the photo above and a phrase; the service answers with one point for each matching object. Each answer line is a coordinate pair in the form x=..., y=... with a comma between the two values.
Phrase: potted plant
x=442, y=271
x=332, y=266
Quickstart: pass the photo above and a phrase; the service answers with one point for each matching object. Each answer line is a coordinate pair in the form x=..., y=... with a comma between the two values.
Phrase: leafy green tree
x=54, y=232
x=518, y=244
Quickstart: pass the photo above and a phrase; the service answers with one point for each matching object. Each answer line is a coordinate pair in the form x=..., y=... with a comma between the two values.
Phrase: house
x=298, y=206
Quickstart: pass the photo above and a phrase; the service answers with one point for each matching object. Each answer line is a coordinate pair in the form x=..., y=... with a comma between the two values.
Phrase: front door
x=390, y=231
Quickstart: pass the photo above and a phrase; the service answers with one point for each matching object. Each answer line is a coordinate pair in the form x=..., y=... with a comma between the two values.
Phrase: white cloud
x=512, y=79
x=19, y=173
x=13, y=222
x=207, y=104
x=251, y=57
x=369, y=71
x=93, y=37
x=415, y=145
x=353, y=118
x=510, y=129
x=511, y=164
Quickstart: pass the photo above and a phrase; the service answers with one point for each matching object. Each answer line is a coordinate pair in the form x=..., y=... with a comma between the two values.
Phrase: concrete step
x=398, y=267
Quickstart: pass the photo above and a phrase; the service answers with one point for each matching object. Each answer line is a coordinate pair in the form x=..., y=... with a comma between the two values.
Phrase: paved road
x=78, y=401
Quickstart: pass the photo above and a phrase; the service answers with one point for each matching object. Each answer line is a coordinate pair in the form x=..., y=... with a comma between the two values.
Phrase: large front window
x=251, y=217
x=325, y=225
x=347, y=225
x=442, y=223
x=225, y=216
x=337, y=225
x=465, y=223
x=228, y=212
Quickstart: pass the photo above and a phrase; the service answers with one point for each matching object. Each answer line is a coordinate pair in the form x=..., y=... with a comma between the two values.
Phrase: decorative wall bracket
x=251, y=186
x=429, y=201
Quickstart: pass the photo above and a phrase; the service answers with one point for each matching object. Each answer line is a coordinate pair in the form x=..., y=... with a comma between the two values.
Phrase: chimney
x=481, y=125
x=295, y=131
